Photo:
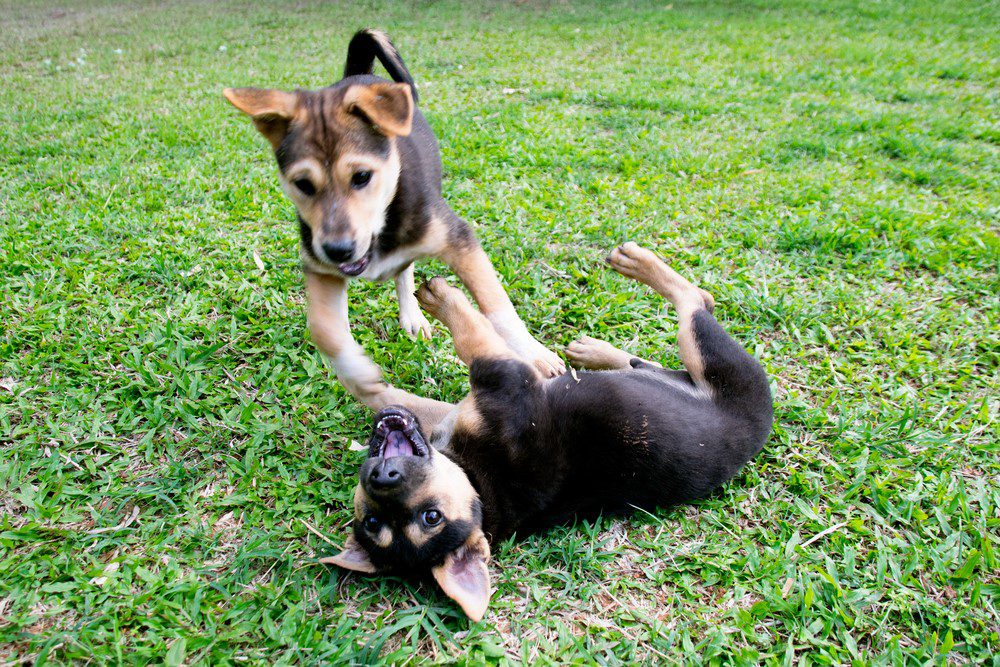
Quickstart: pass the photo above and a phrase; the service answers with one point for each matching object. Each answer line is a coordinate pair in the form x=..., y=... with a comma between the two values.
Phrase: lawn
x=175, y=454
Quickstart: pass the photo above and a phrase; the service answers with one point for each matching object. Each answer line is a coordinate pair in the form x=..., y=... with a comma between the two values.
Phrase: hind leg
x=598, y=355
x=643, y=265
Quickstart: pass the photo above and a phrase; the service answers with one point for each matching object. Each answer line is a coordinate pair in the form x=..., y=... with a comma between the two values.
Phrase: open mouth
x=396, y=434
x=356, y=268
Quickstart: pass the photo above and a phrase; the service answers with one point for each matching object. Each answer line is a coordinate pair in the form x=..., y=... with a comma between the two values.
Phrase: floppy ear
x=353, y=557
x=271, y=110
x=387, y=106
x=464, y=578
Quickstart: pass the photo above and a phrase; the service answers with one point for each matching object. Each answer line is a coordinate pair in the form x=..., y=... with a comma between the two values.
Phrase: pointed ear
x=353, y=557
x=464, y=578
x=271, y=110
x=387, y=106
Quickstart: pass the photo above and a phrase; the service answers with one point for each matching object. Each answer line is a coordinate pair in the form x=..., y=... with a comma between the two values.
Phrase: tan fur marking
x=418, y=535
x=271, y=110
x=389, y=106
x=384, y=537
x=435, y=238
x=360, y=503
x=348, y=163
x=362, y=506
x=308, y=168
x=469, y=419
x=473, y=267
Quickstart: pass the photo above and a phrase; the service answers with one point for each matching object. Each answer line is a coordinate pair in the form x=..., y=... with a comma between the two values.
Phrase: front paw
x=547, y=362
x=436, y=294
x=361, y=378
x=415, y=324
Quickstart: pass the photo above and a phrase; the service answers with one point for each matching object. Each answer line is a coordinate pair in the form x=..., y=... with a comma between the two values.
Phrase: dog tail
x=369, y=44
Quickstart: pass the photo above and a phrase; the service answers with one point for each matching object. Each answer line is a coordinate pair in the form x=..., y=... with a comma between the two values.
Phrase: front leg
x=330, y=331
x=411, y=319
x=475, y=270
x=473, y=335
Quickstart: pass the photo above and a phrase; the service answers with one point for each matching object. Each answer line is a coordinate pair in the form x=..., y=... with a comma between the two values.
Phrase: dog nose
x=386, y=475
x=339, y=251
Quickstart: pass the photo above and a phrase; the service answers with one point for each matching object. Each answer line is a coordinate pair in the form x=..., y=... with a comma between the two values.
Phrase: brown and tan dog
x=362, y=166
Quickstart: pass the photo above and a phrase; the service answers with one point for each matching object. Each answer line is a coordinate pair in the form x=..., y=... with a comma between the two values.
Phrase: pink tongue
x=396, y=444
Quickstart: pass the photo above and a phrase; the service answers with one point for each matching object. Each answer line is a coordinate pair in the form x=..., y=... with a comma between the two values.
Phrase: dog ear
x=387, y=106
x=353, y=557
x=464, y=578
x=271, y=110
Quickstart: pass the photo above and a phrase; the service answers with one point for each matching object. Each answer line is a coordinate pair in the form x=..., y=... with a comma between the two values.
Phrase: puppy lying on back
x=520, y=452
x=362, y=166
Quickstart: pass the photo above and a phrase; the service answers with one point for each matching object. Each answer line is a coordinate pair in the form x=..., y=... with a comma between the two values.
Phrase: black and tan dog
x=521, y=452
x=362, y=166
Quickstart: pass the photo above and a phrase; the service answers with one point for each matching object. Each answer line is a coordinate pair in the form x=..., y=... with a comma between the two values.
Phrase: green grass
x=168, y=436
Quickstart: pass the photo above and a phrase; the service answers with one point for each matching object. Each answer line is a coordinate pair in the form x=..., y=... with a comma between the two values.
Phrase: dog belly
x=634, y=437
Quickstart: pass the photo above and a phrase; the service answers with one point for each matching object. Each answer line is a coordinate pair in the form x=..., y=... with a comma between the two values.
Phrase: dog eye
x=305, y=186
x=360, y=179
x=432, y=517
x=372, y=523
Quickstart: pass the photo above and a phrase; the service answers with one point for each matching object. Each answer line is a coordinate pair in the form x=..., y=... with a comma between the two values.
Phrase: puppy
x=522, y=452
x=362, y=166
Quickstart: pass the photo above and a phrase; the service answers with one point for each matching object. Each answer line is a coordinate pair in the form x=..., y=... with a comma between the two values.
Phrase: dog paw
x=524, y=345
x=547, y=362
x=594, y=354
x=435, y=295
x=634, y=261
x=708, y=299
x=551, y=366
x=415, y=324
x=360, y=377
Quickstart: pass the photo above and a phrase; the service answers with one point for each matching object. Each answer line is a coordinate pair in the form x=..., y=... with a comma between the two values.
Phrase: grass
x=172, y=448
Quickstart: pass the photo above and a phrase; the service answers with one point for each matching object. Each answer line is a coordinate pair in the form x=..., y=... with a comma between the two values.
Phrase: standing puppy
x=363, y=168
x=522, y=452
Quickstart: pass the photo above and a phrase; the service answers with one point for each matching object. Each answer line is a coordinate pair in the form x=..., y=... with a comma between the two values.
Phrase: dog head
x=337, y=158
x=415, y=510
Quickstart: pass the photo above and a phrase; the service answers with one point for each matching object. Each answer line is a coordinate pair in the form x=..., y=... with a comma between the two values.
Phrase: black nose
x=386, y=475
x=339, y=251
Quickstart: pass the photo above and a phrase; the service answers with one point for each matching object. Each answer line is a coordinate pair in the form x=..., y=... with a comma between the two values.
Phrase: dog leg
x=411, y=319
x=475, y=270
x=429, y=412
x=330, y=331
x=597, y=355
x=473, y=334
x=643, y=265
